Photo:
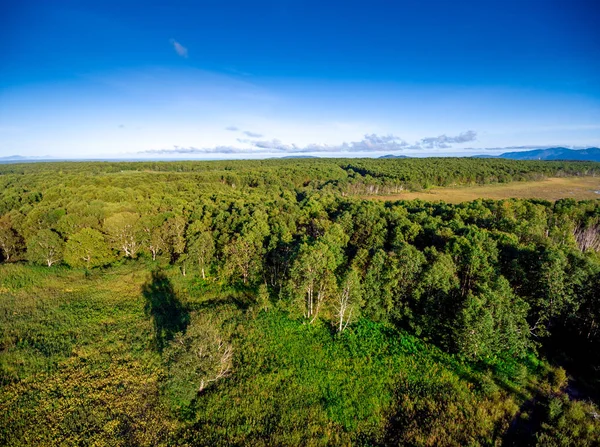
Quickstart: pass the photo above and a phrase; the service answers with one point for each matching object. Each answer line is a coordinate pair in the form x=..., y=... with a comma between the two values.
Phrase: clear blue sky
x=266, y=78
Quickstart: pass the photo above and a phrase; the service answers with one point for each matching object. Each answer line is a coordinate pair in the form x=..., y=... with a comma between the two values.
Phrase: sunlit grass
x=578, y=188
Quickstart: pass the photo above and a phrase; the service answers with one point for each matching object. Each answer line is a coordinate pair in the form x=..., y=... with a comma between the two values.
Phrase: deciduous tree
x=312, y=278
x=196, y=359
x=11, y=242
x=124, y=232
x=201, y=249
x=87, y=248
x=46, y=247
x=349, y=300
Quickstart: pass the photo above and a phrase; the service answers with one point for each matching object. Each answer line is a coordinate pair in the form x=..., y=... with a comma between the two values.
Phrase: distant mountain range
x=554, y=153
x=13, y=157
x=22, y=159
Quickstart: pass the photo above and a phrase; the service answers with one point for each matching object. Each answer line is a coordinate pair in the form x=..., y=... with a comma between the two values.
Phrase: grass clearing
x=578, y=188
x=78, y=357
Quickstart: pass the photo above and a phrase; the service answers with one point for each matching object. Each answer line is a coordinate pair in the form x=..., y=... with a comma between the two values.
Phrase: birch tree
x=88, y=249
x=46, y=247
x=155, y=235
x=201, y=250
x=197, y=359
x=11, y=243
x=348, y=302
x=588, y=237
x=313, y=279
x=175, y=236
x=242, y=258
x=122, y=229
x=244, y=253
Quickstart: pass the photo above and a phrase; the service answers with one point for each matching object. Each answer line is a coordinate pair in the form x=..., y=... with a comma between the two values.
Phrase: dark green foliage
x=12, y=244
x=491, y=322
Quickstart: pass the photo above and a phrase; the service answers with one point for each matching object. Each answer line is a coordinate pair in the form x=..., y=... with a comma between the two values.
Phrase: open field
x=578, y=188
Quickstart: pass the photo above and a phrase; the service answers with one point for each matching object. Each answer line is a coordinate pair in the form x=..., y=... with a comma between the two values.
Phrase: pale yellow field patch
x=578, y=188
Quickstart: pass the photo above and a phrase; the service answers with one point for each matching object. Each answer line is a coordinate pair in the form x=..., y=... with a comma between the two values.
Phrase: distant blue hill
x=13, y=157
x=393, y=156
x=554, y=153
x=22, y=159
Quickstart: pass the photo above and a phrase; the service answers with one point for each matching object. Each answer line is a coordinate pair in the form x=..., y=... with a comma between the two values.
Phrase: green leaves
x=11, y=242
x=124, y=232
x=87, y=248
x=196, y=360
x=312, y=278
x=201, y=250
x=421, y=312
x=492, y=322
x=45, y=248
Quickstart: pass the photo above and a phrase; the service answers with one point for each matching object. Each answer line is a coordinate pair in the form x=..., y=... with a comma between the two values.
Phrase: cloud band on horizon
x=370, y=143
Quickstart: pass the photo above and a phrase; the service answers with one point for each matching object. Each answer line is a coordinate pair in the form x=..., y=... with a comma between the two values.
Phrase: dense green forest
x=267, y=303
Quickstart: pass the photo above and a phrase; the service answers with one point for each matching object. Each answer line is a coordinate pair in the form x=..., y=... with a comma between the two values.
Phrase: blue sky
x=231, y=79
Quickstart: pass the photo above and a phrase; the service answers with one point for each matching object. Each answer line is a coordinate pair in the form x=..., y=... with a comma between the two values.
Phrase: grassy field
x=578, y=188
x=79, y=357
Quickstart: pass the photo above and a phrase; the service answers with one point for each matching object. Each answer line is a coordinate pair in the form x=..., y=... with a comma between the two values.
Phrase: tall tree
x=123, y=231
x=381, y=280
x=242, y=258
x=87, y=248
x=41, y=218
x=244, y=252
x=409, y=263
x=436, y=298
x=11, y=242
x=155, y=235
x=312, y=278
x=46, y=247
x=492, y=321
x=552, y=291
x=475, y=254
x=174, y=229
x=349, y=299
x=201, y=249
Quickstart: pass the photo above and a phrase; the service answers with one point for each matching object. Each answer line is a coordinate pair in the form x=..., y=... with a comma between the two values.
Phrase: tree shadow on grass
x=169, y=315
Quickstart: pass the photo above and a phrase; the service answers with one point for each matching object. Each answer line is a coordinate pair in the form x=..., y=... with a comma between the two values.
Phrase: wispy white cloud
x=248, y=133
x=252, y=134
x=369, y=143
x=216, y=150
x=179, y=49
x=445, y=142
